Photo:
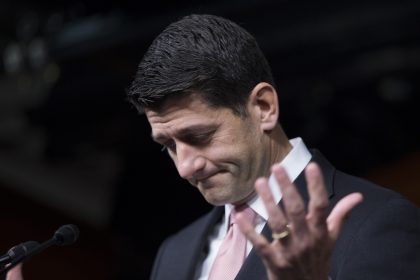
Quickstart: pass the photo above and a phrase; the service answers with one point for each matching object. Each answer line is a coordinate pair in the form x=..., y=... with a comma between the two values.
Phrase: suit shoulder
x=373, y=193
x=385, y=227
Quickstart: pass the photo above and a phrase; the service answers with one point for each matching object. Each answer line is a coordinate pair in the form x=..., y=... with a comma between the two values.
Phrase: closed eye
x=197, y=135
x=199, y=139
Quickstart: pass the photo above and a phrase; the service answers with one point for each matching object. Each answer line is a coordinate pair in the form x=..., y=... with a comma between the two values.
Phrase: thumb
x=342, y=209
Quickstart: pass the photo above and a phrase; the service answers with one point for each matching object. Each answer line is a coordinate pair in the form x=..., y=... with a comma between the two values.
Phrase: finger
x=15, y=273
x=276, y=219
x=318, y=203
x=340, y=212
x=259, y=242
x=293, y=203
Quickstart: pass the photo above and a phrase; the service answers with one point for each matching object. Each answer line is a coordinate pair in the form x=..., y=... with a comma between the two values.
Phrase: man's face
x=217, y=151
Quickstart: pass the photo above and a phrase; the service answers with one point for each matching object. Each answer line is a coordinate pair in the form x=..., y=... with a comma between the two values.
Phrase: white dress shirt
x=294, y=163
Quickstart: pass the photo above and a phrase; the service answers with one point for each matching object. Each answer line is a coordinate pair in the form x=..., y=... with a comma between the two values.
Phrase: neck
x=279, y=147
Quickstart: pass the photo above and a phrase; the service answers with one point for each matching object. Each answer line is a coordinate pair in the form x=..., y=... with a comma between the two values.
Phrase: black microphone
x=18, y=251
x=65, y=235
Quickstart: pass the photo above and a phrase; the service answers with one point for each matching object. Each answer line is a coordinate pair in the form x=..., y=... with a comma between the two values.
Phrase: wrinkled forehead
x=174, y=99
x=175, y=106
x=182, y=111
x=183, y=119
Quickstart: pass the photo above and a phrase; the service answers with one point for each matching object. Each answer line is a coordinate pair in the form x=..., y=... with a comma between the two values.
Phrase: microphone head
x=23, y=249
x=66, y=235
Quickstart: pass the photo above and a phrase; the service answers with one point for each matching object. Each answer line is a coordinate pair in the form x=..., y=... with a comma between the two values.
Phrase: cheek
x=235, y=147
x=233, y=157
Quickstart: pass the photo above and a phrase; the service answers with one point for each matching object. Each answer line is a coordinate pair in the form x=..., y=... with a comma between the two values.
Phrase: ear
x=264, y=105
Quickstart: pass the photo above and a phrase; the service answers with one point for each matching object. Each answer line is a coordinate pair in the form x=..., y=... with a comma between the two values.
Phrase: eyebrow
x=188, y=131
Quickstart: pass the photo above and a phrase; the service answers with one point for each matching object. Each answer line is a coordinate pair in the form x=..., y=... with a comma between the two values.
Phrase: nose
x=189, y=161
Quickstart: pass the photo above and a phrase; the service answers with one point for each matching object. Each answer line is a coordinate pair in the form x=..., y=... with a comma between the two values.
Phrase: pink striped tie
x=232, y=251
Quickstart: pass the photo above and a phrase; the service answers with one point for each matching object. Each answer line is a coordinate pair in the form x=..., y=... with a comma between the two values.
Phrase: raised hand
x=303, y=241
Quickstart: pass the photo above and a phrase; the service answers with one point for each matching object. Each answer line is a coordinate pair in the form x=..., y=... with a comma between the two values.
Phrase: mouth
x=196, y=180
x=205, y=177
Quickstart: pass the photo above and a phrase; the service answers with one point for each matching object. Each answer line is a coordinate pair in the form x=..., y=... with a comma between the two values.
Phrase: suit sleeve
x=385, y=246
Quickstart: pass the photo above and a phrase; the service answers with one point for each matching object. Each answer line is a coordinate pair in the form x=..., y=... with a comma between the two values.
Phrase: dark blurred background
x=72, y=150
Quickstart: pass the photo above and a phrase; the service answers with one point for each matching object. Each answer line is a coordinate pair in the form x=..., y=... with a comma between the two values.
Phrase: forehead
x=183, y=112
x=189, y=105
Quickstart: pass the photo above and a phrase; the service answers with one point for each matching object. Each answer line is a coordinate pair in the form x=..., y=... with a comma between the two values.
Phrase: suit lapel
x=253, y=267
x=328, y=171
x=191, y=254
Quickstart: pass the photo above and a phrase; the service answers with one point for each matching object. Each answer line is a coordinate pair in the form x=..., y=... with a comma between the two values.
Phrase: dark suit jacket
x=380, y=240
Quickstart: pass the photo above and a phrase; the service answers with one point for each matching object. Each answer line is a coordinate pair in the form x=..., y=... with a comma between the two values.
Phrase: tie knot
x=245, y=211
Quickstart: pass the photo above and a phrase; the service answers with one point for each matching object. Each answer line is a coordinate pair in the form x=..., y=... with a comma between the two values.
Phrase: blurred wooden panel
x=402, y=176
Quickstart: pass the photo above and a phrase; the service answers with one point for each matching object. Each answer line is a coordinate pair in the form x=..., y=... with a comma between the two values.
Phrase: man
x=209, y=96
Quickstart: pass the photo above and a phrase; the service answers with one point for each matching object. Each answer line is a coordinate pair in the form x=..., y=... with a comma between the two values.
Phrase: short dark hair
x=204, y=54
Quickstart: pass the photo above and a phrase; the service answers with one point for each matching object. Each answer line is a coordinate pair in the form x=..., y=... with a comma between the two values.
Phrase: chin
x=214, y=196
